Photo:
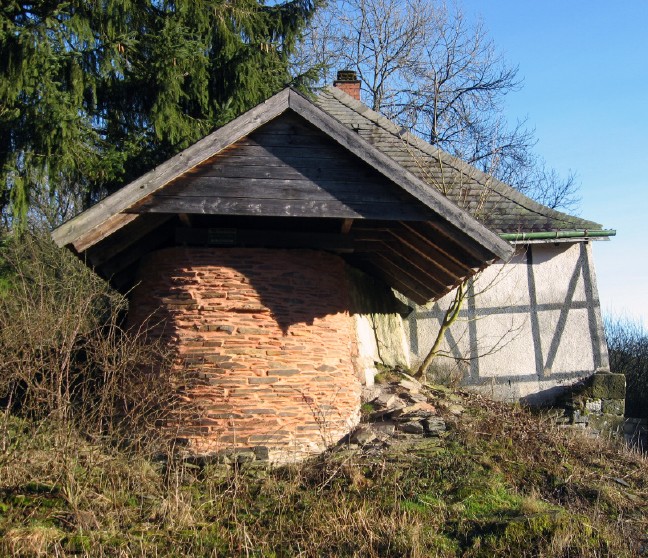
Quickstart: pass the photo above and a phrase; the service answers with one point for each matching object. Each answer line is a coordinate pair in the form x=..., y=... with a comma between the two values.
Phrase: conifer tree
x=95, y=92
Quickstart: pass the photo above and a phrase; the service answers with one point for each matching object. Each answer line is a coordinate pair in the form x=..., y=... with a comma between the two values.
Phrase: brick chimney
x=347, y=81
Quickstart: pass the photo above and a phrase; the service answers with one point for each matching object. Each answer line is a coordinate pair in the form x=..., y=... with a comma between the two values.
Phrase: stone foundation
x=597, y=403
x=267, y=342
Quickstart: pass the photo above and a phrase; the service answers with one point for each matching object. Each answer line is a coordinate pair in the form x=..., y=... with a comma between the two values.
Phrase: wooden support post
x=346, y=226
x=185, y=219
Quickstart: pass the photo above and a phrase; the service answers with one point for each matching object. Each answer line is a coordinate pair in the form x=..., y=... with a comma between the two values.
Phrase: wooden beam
x=295, y=188
x=414, y=244
x=403, y=269
x=446, y=253
x=279, y=208
x=459, y=237
x=346, y=225
x=264, y=238
x=185, y=219
x=130, y=256
x=451, y=248
x=397, y=282
x=103, y=230
x=426, y=271
x=124, y=238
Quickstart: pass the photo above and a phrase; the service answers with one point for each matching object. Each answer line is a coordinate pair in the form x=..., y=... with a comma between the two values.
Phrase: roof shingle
x=495, y=204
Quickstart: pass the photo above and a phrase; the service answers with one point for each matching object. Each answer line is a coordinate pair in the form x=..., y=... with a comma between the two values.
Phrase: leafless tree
x=428, y=68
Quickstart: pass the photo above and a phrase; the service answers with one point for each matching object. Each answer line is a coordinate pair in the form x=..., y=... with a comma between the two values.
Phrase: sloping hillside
x=499, y=482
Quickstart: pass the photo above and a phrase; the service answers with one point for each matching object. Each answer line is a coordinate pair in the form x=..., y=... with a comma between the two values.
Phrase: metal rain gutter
x=551, y=235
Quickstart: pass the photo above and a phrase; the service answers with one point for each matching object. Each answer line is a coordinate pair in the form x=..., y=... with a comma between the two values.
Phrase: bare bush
x=426, y=66
x=64, y=354
x=627, y=342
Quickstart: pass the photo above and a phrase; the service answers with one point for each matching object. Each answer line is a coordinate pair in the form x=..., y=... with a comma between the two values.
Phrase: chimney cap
x=347, y=75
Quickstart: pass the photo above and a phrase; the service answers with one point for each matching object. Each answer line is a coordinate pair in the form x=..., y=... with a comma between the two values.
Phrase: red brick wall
x=268, y=341
x=349, y=87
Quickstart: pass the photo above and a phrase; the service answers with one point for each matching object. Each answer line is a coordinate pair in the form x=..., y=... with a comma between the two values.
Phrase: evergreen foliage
x=95, y=92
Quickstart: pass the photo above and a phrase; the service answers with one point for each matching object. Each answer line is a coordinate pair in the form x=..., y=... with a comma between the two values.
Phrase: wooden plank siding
x=286, y=168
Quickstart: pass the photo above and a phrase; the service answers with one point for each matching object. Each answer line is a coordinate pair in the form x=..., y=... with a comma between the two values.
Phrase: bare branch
x=426, y=67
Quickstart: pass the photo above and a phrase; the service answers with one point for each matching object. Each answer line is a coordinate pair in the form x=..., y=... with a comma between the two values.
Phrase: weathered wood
x=408, y=181
x=185, y=219
x=254, y=149
x=346, y=226
x=272, y=141
x=476, y=250
x=172, y=168
x=264, y=238
x=406, y=258
x=412, y=250
x=124, y=238
x=103, y=230
x=450, y=248
x=130, y=256
x=428, y=250
x=294, y=169
x=394, y=280
x=261, y=157
x=281, y=208
x=403, y=269
x=271, y=188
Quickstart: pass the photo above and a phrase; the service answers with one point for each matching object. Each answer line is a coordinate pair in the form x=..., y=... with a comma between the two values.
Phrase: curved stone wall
x=267, y=340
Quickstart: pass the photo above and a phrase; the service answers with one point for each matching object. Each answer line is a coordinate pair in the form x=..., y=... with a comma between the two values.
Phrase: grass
x=503, y=482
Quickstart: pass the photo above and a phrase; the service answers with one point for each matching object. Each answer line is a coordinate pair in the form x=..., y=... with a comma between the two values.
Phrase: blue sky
x=585, y=91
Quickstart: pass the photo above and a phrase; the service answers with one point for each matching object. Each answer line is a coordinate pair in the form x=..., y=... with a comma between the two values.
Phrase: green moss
x=366, y=409
x=608, y=386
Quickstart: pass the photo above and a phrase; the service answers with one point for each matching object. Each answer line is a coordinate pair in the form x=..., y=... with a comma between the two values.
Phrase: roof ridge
x=484, y=179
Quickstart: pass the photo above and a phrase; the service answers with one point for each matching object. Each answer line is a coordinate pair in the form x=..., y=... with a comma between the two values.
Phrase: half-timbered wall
x=527, y=328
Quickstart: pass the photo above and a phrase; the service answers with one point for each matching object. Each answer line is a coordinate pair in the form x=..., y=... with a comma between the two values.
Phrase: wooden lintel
x=346, y=226
x=264, y=238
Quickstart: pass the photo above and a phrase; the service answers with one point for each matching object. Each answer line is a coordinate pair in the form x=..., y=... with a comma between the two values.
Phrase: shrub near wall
x=63, y=354
x=628, y=349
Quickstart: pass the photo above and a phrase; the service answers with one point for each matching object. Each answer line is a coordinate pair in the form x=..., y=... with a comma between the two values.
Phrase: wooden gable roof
x=289, y=174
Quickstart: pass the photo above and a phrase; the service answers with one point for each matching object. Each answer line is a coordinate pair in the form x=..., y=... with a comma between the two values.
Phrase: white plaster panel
x=505, y=323
x=553, y=268
x=573, y=341
x=505, y=346
x=503, y=284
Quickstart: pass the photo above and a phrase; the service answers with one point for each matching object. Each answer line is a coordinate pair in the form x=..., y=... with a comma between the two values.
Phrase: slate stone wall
x=267, y=341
